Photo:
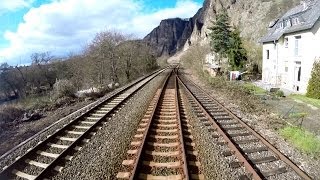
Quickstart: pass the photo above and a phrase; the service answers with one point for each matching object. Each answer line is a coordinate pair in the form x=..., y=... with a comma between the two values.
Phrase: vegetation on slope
x=110, y=59
x=302, y=139
x=313, y=90
x=227, y=43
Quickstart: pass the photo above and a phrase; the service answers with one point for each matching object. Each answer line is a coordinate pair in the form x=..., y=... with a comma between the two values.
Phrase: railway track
x=47, y=157
x=260, y=159
x=163, y=146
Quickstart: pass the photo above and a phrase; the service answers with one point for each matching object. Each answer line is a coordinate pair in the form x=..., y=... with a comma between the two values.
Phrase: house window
x=286, y=42
x=268, y=54
x=296, y=47
x=286, y=69
x=281, y=24
x=299, y=74
x=289, y=22
x=295, y=21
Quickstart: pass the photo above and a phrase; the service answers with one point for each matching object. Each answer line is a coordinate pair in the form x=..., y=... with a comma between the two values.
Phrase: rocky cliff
x=169, y=36
x=252, y=17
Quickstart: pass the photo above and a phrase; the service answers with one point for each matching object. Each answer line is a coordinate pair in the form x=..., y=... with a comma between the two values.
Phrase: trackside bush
x=63, y=88
x=9, y=113
x=280, y=93
x=313, y=90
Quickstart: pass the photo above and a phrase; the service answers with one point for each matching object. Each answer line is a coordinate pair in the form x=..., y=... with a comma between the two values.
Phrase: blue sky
x=64, y=26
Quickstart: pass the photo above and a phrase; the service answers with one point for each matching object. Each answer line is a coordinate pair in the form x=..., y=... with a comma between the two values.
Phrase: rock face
x=168, y=37
x=252, y=17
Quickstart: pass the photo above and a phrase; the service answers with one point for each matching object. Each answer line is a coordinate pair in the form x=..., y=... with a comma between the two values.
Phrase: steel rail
x=248, y=166
x=185, y=163
x=280, y=155
x=82, y=110
x=134, y=174
x=147, y=131
x=53, y=163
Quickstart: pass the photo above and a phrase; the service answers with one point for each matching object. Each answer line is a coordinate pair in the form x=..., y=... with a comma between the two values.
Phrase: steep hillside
x=251, y=16
x=169, y=36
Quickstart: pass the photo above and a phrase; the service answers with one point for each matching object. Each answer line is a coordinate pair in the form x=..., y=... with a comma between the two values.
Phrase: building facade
x=291, y=47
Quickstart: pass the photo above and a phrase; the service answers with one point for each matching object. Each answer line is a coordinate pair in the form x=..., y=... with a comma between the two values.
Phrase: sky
x=66, y=26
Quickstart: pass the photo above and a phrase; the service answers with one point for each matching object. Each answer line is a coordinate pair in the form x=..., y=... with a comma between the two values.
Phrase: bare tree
x=103, y=51
x=42, y=61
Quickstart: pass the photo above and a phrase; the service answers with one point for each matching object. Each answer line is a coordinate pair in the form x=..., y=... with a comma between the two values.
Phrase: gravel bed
x=32, y=170
x=213, y=163
x=58, y=141
x=265, y=123
x=288, y=175
x=159, y=171
x=239, y=138
x=42, y=159
x=271, y=165
x=101, y=157
x=164, y=159
x=8, y=159
x=53, y=150
x=162, y=149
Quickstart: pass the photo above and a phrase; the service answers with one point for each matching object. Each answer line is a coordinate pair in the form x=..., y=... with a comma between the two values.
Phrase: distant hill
x=251, y=16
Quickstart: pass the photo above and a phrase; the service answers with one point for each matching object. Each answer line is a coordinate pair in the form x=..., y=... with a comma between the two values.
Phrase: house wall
x=269, y=65
x=280, y=70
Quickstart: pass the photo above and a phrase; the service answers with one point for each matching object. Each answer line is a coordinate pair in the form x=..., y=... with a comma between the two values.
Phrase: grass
x=254, y=89
x=302, y=140
x=298, y=115
x=35, y=102
x=305, y=99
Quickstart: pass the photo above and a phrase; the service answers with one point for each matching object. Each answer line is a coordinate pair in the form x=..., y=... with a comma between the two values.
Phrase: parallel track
x=259, y=157
x=163, y=146
x=45, y=158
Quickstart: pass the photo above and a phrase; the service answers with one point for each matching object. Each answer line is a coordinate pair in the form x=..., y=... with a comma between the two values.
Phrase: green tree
x=237, y=54
x=220, y=34
x=313, y=90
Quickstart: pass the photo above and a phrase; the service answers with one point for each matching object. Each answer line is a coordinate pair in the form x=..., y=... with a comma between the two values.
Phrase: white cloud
x=13, y=5
x=66, y=25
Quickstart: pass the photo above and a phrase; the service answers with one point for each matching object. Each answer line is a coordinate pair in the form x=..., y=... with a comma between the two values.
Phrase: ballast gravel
x=264, y=123
x=7, y=159
x=102, y=156
x=214, y=164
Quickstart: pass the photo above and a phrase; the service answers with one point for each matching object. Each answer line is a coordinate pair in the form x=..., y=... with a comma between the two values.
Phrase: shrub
x=280, y=93
x=63, y=88
x=313, y=90
x=9, y=113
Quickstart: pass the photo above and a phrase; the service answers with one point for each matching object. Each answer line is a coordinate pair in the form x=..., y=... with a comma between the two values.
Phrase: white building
x=211, y=64
x=291, y=46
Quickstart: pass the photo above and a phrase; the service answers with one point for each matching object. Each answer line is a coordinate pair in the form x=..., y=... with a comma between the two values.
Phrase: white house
x=211, y=64
x=291, y=46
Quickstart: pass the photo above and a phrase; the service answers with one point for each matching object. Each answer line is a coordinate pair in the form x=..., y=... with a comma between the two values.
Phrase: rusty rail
x=256, y=174
x=92, y=118
x=158, y=115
